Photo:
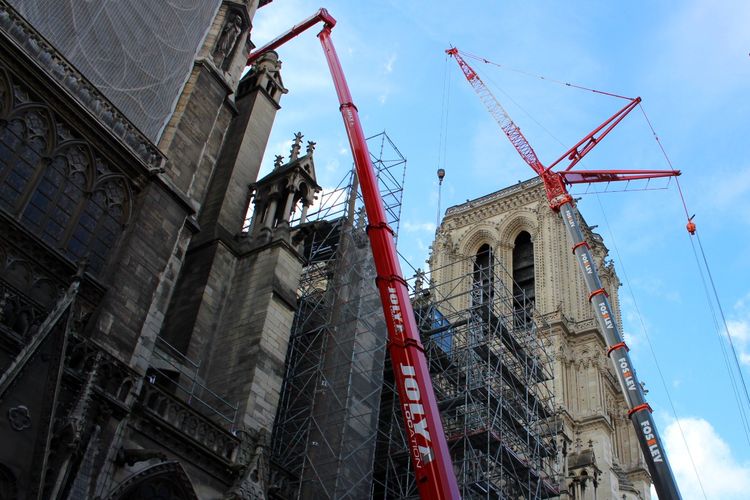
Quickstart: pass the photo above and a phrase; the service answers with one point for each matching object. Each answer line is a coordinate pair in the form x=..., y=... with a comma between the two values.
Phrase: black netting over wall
x=139, y=53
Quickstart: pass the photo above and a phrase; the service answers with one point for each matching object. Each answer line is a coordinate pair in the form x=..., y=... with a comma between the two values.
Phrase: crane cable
x=712, y=297
x=643, y=327
x=540, y=77
x=735, y=388
x=648, y=341
x=444, y=111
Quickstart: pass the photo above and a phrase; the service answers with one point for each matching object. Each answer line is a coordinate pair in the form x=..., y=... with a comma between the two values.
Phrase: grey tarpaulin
x=138, y=52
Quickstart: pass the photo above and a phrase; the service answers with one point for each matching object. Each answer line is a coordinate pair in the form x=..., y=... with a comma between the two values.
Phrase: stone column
x=288, y=207
x=268, y=220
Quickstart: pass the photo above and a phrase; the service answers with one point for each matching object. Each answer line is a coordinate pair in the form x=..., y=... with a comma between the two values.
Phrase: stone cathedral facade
x=599, y=453
x=143, y=324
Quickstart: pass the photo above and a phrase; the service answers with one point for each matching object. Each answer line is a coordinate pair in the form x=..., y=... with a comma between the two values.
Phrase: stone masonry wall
x=249, y=348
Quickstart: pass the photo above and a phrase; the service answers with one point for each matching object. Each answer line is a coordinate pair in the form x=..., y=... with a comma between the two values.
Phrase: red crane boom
x=560, y=201
x=428, y=447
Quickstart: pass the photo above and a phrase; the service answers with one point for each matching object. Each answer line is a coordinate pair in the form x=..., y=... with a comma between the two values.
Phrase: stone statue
x=227, y=39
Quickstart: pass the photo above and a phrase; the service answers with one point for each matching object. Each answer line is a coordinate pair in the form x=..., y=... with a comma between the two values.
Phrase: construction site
x=182, y=316
x=338, y=430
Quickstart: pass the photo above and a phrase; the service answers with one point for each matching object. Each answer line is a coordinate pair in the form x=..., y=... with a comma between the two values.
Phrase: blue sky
x=689, y=61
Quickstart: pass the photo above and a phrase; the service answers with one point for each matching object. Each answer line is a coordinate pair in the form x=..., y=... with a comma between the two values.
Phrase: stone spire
x=296, y=146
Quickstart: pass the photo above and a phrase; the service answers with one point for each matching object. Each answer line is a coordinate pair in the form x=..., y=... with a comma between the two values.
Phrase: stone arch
x=54, y=182
x=478, y=236
x=78, y=160
x=37, y=121
x=523, y=221
x=164, y=481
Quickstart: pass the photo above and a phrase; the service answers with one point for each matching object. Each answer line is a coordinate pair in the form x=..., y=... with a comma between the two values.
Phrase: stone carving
x=296, y=146
x=18, y=314
x=194, y=425
x=419, y=277
x=227, y=40
x=19, y=418
x=310, y=147
x=133, y=456
x=252, y=482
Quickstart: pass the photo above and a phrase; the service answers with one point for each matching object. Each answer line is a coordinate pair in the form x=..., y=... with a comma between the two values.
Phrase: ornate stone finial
x=251, y=482
x=310, y=147
x=227, y=39
x=296, y=145
x=277, y=162
x=419, y=280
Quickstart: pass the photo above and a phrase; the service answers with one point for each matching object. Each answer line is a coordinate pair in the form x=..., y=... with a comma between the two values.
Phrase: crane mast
x=428, y=448
x=560, y=201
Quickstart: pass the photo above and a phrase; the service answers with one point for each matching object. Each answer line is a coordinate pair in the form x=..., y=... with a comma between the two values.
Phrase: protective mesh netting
x=139, y=53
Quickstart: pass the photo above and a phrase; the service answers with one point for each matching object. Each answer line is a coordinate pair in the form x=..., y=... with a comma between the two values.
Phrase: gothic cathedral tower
x=599, y=454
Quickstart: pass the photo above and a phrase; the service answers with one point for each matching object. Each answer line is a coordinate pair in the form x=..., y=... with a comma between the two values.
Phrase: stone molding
x=521, y=187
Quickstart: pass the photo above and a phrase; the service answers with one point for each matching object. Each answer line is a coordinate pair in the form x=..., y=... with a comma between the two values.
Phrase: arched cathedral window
x=53, y=183
x=523, y=280
x=24, y=139
x=482, y=287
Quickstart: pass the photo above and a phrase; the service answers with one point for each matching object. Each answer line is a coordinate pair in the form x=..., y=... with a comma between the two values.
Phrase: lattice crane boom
x=560, y=201
x=499, y=114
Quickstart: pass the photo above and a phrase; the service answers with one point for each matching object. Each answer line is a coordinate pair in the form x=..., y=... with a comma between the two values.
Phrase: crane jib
x=560, y=200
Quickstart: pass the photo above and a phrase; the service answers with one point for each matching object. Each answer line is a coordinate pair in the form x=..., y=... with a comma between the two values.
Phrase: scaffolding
x=339, y=432
x=493, y=381
x=327, y=424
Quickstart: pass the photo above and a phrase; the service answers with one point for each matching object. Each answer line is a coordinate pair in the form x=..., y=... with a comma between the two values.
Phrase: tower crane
x=561, y=202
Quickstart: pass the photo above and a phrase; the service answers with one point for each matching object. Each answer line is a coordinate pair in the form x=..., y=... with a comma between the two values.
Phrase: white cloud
x=738, y=328
x=388, y=66
x=720, y=473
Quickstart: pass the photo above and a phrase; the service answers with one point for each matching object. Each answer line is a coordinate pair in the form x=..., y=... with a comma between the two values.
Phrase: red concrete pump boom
x=560, y=201
x=427, y=444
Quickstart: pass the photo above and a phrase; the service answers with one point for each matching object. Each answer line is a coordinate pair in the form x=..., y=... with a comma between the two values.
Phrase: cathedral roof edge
x=502, y=193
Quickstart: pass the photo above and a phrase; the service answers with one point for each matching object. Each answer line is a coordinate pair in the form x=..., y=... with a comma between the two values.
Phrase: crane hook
x=691, y=225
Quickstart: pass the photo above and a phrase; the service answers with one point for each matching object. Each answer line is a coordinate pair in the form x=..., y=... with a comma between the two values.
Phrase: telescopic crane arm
x=560, y=201
x=428, y=447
